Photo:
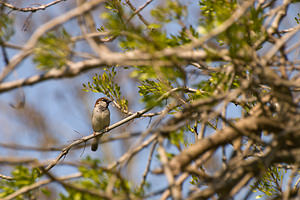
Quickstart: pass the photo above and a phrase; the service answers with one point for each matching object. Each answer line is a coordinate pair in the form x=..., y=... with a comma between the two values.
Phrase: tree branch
x=30, y=44
x=31, y=9
x=39, y=184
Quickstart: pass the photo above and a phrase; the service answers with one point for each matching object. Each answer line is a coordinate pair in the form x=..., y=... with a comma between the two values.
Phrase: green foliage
x=182, y=37
x=114, y=21
x=53, y=50
x=195, y=180
x=131, y=37
x=173, y=10
x=270, y=183
x=6, y=27
x=106, y=85
x=143, y=73
x=155, y=40
x=134, y=37
x=150, y=92
x=298, y=18
x=216, y=81
x=98, y=179
x=177, y=137
x=22, y=176
x=131, y=41
x=215, y=12
x=173, y=75
x=240, y=34
x=157, y=81
x=46, y=192
x=94, y=178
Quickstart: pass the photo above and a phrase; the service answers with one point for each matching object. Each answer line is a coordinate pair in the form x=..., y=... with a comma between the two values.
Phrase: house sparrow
x=100, y=119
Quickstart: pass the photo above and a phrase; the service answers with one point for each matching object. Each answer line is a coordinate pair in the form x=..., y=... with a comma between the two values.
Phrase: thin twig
x=175, y=189
x=144, y=177
x=9, y=178
x=31, y=9
x=137, y=11
x=132, y=152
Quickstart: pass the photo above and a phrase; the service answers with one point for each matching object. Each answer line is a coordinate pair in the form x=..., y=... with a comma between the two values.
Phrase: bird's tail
x=95, y=142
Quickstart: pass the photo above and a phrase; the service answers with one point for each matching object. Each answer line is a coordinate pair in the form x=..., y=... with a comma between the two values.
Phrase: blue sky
x=69, y=118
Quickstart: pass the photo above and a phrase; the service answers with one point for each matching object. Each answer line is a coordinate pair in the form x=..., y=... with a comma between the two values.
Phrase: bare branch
x=128, y=58
x=222, y=137
x=6, y=177
x=147, y=169
x=31, y=9
x=137, y=11
x=175, y=189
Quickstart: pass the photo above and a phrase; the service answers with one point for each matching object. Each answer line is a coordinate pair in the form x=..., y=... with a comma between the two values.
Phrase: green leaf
x=94, y=178
x=22, y=176
x=154, y=26
x=53, y=50
x=268, y=183
x=106, y=84
x=46, y=192
x=150, y=92
x=6, y=27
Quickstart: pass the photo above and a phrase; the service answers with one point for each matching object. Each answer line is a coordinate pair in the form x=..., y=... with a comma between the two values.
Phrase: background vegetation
x=205, y=99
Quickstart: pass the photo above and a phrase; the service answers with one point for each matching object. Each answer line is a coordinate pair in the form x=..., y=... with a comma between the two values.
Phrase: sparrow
x=100, y=119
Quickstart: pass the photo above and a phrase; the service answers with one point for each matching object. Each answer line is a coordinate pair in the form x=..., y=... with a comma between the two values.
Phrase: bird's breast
x=100, y=119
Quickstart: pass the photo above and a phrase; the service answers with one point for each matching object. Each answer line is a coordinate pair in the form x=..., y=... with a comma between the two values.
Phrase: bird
x=100, y=119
